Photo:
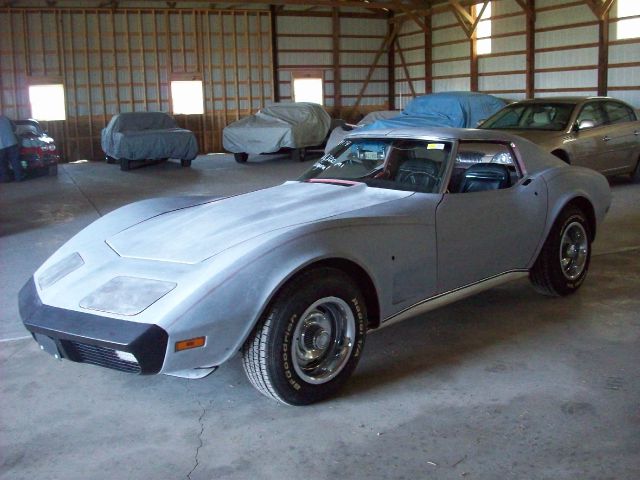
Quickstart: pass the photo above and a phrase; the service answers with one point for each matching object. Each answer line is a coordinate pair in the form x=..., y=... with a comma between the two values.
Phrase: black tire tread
x=255, y=358
x=541, y=274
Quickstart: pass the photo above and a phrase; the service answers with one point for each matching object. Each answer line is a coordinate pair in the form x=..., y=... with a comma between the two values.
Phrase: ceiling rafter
x=466, y=19
x=600, y=8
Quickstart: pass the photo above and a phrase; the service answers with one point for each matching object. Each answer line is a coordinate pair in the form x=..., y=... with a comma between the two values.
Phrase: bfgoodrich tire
x=309, y=340
x=563, y=262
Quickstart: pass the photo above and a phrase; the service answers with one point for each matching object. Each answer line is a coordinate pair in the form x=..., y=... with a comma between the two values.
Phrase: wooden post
x=337, y=83
x=531, y=49
x=275, y=89
x=603, y=53
x=234, y=33
x=260, y=59
x=473, y=67
x=428, y=55
x=114, y=51
x=391, y=67
x=154, y=33
x=247, y=40
x=223, y=67
x=404, y=67
x=87, y=73
x=142, y=63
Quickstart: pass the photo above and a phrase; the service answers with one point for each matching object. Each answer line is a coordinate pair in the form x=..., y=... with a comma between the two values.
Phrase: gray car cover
x=147, y=136
x=291, y=125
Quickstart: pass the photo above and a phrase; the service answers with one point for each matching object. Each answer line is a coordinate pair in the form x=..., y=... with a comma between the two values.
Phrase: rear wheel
x=298, y=154
x=109, y=159
x=309, y=340
x=241, y=157
x=185, y=163
x=563, y=262
x=125, y=164
x=635, y=175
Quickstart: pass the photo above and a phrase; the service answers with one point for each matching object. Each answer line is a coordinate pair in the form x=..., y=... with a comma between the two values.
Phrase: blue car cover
x=446, y=109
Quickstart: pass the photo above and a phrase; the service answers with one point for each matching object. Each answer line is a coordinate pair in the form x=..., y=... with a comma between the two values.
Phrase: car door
x=481, y=233
x=624, y=138
x=591, y=146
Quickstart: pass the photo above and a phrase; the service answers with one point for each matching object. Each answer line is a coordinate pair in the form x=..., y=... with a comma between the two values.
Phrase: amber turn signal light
x=191, y=343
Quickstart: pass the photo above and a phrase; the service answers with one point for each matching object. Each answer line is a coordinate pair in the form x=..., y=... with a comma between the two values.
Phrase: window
x=591, y=112
x=619, y=113
x=308, y=87
x=47, y=102
x=187, y=97
x=483, y=30
x=629, y=28
x=481, y=166
x=409, y=165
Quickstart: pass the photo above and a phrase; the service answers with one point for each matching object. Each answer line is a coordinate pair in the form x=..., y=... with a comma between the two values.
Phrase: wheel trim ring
x=331, y=361
x=574, y=251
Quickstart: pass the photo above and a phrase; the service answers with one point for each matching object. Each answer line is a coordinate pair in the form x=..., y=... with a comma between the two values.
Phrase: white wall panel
x=498, y=64
x=566, y=37
x=567, y=79
x=461, y=67
x=563, y=59
x=452, y=84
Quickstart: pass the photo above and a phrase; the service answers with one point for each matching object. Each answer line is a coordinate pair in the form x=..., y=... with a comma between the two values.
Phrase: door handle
x=607, y=138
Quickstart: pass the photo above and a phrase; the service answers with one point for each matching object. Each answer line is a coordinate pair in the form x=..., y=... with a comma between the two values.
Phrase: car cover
x=338, y=133
x=291, y=125
x=446, y=109
x=147, y=136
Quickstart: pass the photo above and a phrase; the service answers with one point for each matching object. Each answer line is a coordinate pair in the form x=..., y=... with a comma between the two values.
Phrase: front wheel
x=241, y=157
x=563, y=262
x=185, y=163
x=309, y=340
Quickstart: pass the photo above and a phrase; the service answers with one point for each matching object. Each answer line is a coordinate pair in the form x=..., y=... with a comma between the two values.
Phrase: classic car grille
x=97, y=355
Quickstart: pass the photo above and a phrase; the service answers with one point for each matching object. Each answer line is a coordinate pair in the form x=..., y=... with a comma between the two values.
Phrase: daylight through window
x=47, y=102
x=187, y=97
x=483, y=30
x=629, y=28
x=308, y=90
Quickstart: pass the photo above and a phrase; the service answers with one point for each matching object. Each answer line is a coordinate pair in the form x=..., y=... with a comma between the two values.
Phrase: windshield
x=531, y=116
x=414, y=165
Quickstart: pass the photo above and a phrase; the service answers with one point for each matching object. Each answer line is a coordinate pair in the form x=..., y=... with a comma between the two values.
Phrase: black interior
x=485, y=176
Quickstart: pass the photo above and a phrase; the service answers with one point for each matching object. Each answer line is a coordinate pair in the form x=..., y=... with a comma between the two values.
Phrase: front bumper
x=88, y=338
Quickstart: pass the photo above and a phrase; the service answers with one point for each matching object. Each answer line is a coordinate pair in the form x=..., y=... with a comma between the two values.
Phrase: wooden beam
x=530, y=33
x=386, y=43
x=337, y=86
x=391, y=69
x=411, y=14
x=603, y=54
x=404, y=66
x=428, y=58
x=275, y=89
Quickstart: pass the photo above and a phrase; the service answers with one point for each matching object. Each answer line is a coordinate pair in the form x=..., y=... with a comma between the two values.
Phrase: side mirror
x=584, y=124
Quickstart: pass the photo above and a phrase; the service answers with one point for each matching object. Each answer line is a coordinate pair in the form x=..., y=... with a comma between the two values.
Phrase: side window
x=592, y=112
x=481, y=166
x=619, y=113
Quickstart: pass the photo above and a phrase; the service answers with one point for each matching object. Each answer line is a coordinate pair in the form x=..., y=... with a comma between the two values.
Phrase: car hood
x=193, y=234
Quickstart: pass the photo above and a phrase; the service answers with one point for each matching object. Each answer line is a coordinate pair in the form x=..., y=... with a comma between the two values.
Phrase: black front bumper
x=87, y=338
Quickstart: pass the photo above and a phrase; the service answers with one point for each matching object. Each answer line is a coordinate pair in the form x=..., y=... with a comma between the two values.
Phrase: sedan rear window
x=413, y=165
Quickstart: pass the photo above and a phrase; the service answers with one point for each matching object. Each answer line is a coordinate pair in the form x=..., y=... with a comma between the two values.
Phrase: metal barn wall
x=564, y=61
x=124, y=60
x=409, y=61
x=341, y=49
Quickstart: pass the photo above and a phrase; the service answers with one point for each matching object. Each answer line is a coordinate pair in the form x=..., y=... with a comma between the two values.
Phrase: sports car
x=389, y=224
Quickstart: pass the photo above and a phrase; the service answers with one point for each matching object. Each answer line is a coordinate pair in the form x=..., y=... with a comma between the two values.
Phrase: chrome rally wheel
x=574, y=250
x=323, y=340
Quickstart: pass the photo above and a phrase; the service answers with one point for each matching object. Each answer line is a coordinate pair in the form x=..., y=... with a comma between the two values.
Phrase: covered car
x=136, y=136
x=38, y=151
x=596, y=132
x=390, y=224
x=295, y=126
x=341, y=131
x=445, y=109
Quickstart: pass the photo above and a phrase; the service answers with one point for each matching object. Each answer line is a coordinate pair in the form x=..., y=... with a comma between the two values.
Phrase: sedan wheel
x=563, y=262
x=310, y=339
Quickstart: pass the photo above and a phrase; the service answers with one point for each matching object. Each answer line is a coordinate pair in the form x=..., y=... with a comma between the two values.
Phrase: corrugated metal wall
x=566, y=54
x=306, y=44
x=118, y=61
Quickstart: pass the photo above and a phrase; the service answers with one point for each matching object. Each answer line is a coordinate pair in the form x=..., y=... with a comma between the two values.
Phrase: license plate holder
x=48, y=344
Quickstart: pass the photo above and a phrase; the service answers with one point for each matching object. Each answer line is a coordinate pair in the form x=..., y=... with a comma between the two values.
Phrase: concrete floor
x=504, y=385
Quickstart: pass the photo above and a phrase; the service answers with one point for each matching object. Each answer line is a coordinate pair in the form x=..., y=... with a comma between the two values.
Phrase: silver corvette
x=389, y=224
